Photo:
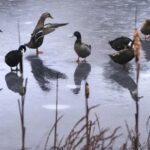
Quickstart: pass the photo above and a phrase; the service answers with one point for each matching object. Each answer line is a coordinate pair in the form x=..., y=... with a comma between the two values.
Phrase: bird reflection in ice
x=42, y=73
x=81, y=73
x=14, y=82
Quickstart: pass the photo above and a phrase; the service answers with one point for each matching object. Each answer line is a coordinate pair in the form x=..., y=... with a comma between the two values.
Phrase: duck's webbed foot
x=17, y=69
x=84, y=60
x=78, y=60
x=38, y=52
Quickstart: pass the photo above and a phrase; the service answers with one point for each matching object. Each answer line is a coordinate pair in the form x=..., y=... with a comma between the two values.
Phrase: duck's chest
x=77, y=47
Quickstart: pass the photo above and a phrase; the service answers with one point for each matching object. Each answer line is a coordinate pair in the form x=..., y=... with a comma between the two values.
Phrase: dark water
x=110, y=86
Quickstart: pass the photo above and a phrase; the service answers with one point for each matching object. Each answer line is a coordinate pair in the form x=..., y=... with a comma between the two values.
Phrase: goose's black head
x=47, y=15
x=77, y=34
x=22, y=47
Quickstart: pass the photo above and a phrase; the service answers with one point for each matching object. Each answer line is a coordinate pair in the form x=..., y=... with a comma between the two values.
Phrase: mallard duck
x=145, y=29
x=41, y=30
x=120, y=43
x=35, y=41
x=123, y=56
x=83, y=50
x=14, y=57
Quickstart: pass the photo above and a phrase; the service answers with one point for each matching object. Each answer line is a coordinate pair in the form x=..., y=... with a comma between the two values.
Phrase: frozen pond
x=110, y=85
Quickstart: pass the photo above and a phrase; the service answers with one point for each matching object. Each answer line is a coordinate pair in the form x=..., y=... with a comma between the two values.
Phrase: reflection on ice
x=146, y=47
x=125, y=81
x=42, y=73
x=81, y=73
x=14, y=82
x=105, y=20
x=116, y=74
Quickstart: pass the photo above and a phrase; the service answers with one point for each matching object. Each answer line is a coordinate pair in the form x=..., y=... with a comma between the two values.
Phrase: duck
x=14, y=57
x=41, y=29
x=145, y=29
x=82, y=50
x=122, y=57
x=120, y=43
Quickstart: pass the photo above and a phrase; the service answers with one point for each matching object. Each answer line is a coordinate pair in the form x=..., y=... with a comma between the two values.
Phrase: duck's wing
x=120, y=43
x=122, y=56
x=48, y=28
x=54, y=25
x=37, y=36
x=35, y=39
x=42, y=32
x=86, y=46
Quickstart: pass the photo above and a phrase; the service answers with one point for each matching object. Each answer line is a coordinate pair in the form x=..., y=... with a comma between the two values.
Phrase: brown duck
x=41, y=30
x=146, y=28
